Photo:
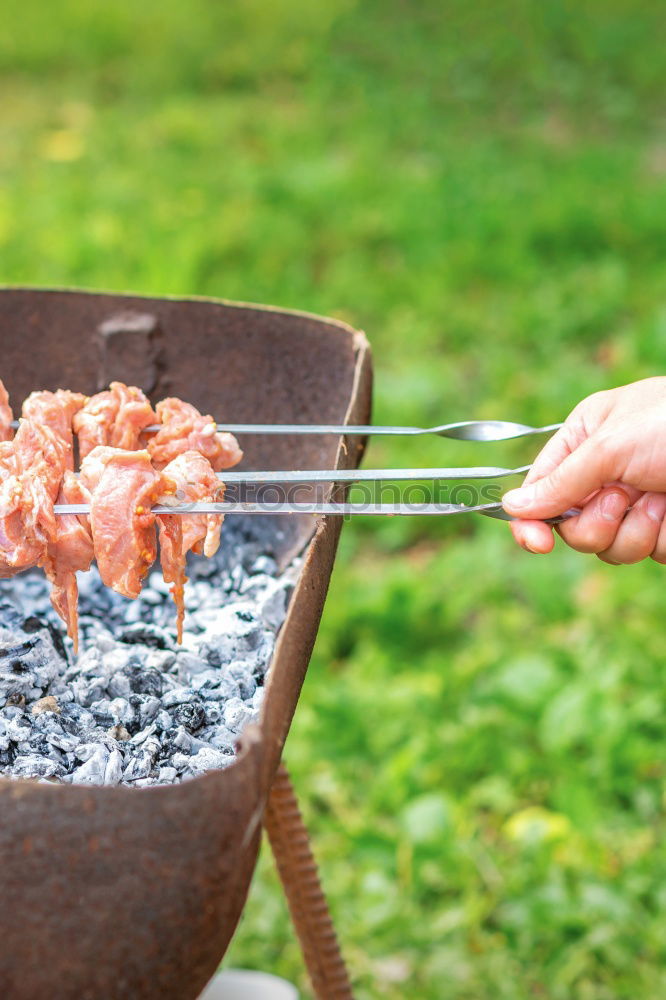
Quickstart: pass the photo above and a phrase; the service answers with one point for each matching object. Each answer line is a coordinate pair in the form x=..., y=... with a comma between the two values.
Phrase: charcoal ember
x=241, y=672
x=63, y=741
x=76, y=719
x=148, y=709
x=191, y=715
x=150, y=596
x=142, y=764
x=101, y=713
x=113, y=771
x=209, y=758
x=88, y=690
x=10, y=615
x=39, y=744
x=161, y=660
x=115, y=660
x=181, y=740
x=32, y=765
x=143, y=735
x=35, y=624
x=35, y=657
x=189, y=665
x=119, y=686
x=17, y=730
x=121, y=711
x=92, y=771
x=210, y=679
x=180, y=761
x=223, y=739
x=134, y=614
x=134, y=708
x=13, y=651
x=145, y=681
x=179, y=695
x=163, y=721
x=270, y=597
x=236, y=714
x=225, y=688
x=264, y=566
x=105, y=642
x=147, y=635
x=214, y=714
x=16, y=687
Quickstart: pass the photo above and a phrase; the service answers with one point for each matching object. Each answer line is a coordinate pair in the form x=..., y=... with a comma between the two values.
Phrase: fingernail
x=613, y=506
x=655, y=508
x=519, y=498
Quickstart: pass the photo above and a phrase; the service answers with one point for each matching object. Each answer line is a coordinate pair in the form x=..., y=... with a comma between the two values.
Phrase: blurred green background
x=479, y=747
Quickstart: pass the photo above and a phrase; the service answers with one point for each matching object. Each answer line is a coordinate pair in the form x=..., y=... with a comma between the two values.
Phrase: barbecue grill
x=112, y=892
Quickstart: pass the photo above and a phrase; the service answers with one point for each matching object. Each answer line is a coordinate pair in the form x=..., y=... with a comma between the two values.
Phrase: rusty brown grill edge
x=114, y=892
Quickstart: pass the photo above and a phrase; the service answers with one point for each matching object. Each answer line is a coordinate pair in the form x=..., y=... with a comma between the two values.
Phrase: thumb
x=581, y=473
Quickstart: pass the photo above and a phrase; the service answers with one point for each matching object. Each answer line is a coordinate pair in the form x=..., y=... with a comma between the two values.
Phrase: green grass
x=479, y=747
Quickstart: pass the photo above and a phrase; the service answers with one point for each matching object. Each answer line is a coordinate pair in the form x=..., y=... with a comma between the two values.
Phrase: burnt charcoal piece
x=10, y=616
x=20, y=649
x=145, y=681
x=33, y=624
x=147, y=635
x=191, y=716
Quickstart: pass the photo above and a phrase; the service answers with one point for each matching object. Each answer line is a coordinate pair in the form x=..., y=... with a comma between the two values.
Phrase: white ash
x=134, y=708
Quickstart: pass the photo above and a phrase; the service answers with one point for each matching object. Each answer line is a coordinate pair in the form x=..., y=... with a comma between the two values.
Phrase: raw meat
x=193, y=480
x=55, y=410
x=123, y=487
x=31, y=469
x=113, y=418
x=185, y=429
x=70, y=551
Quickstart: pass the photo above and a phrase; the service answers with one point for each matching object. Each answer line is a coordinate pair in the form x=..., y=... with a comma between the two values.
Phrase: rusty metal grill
x=110, y=892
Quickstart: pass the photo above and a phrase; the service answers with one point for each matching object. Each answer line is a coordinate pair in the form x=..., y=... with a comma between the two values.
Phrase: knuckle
x=588, y=539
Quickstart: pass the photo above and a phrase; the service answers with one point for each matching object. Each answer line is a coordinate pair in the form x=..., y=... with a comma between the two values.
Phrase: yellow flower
x=536, y=825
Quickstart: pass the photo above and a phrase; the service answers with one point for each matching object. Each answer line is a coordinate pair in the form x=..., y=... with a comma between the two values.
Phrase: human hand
x=609, y=455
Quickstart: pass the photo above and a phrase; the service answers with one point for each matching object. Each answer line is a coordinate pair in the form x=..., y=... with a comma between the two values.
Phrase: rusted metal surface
x=112, y=892
x=307, y=903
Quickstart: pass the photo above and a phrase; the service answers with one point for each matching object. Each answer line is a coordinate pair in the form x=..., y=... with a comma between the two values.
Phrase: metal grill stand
x=309, y=910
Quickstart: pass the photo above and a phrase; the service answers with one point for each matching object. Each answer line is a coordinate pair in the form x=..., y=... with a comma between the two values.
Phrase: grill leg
x=307, y=904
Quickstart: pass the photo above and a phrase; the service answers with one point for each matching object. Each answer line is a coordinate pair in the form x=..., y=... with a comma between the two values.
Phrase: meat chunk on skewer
x=185, y=429
x=16, y=552
x=194, y=481
x=31, y=469
x=113, y=418
x=70, y=551
x=56, y=411
x=6, y=416
x=123, y=486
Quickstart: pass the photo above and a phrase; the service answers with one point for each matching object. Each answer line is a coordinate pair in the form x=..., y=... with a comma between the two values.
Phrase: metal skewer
x=318, y=509
x=369, y=475
x=463, y=430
